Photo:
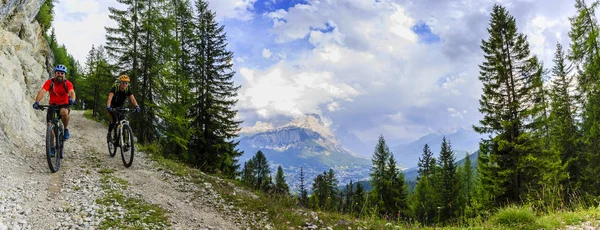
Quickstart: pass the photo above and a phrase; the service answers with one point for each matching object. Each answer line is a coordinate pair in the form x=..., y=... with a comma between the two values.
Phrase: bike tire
x=112, y=152
x=128, y=146
x=53, y=162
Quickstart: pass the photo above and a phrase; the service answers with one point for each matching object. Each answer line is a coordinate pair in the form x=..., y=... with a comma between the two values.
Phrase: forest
x=542, y=123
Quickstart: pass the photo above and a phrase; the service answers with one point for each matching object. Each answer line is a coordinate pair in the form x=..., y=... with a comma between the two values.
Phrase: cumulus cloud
x=79, y=24
x=354, y=60
x=404, y=87
x=266, y=53
x=283, y=90
x=232, y=9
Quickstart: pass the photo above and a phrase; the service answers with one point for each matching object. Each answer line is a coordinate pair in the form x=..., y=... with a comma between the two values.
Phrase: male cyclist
x=61, y=93
x=116, y=98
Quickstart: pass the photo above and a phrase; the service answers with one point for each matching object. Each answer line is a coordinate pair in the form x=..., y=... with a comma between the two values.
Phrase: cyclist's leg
x=113, y=120
x=64, y=114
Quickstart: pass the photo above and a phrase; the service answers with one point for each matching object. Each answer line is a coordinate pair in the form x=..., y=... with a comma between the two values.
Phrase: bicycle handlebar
x=42, y=107
x=124, y=109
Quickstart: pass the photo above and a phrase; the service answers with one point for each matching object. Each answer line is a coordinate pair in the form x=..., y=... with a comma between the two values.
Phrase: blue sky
x=398, y=68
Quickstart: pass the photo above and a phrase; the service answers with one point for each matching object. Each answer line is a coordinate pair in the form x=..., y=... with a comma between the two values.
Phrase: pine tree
x=564, y=134
x=248, y=175
x=123, y=41
x=212, y=144
x=359, y=199
x=425, y=202
x=348, y=197
x=508, y=107
x=379, y=176
x=398, y=199
x=262, y=171
x=586, y=56
x=176, y=124
x=449, y=192
x=280, y=184
x=426, y=163
x=303, y=193
x=467, y=184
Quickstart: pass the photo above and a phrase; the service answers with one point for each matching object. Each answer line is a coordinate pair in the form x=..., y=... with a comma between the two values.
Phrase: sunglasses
x=124, y=83
x=60, y=73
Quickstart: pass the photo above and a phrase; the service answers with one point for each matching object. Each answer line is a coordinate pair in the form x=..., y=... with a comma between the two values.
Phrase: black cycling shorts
x=49, y=115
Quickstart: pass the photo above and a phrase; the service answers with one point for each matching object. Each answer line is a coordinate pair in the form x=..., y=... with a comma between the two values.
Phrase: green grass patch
x=284, y=213
x=520, y=217
x=138, y=215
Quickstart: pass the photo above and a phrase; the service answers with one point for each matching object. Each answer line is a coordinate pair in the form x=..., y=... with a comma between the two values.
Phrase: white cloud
x=232, y=9
x=80, y=24
x=407, y=86
x=266, y=53
x=283, y=90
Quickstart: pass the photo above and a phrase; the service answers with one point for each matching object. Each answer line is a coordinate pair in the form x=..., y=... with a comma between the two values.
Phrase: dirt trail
x=33, y=198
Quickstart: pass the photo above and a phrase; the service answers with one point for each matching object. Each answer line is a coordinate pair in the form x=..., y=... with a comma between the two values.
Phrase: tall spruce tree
x=449, y=190
x=381, y=184
x=280, y=184
x=303, y=197
x=360, y=199
x=508, y=107
x=585, y=54
x=467, y=184
x=426, y=163
x=176, y=124
x=213, y=116
x=564, y=133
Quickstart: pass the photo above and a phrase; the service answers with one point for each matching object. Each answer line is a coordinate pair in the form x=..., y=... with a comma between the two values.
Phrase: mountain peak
x=312, y=122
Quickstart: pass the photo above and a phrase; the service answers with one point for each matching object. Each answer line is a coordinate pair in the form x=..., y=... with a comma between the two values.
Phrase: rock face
x=25, y=62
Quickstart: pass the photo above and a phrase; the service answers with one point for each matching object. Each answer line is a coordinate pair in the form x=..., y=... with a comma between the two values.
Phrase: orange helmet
x=124, y=78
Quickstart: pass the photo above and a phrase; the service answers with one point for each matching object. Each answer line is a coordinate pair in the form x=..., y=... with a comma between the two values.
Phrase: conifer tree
x=426, y=163
x=359, y=199
x=508, y=107
x=467, y=185
x=564, y=133
x=280, y=184
x=213, y=116
x=448, y=191
x=303, y=193
x=586, y=56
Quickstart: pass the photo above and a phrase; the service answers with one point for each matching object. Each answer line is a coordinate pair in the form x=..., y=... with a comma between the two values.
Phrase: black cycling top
x=119, y=96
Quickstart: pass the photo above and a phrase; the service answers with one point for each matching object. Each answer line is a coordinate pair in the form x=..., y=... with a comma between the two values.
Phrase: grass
x=136, y=213
x=283, y=213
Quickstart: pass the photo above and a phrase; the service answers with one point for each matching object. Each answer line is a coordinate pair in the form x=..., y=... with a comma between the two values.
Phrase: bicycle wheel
x=61, y=139
x=112, y=145
x=128, y=147
x=52, y=146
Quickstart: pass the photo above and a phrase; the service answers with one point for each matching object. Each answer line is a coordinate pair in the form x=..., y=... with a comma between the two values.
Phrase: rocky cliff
x=25, y=62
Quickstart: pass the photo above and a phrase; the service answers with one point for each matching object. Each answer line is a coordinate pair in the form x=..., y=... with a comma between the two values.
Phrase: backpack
x=52, y=85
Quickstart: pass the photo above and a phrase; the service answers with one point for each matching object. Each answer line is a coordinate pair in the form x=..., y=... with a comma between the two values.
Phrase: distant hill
x=462, y=140
x=305, y=142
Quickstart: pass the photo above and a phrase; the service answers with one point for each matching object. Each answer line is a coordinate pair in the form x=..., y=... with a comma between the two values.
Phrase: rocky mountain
x=461, y=140
x=305, y=142
x=25, y=62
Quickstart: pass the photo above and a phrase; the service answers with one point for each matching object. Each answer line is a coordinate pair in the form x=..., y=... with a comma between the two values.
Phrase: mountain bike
x=122, y=137
x=55, y=137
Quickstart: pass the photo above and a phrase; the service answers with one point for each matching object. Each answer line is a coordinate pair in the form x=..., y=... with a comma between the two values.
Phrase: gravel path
x=92, y=190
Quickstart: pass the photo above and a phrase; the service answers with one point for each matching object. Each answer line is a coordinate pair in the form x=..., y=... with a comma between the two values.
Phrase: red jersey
x=58, y=94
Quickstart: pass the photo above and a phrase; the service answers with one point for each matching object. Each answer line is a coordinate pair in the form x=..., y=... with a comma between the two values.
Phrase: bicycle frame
x=58, y=132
